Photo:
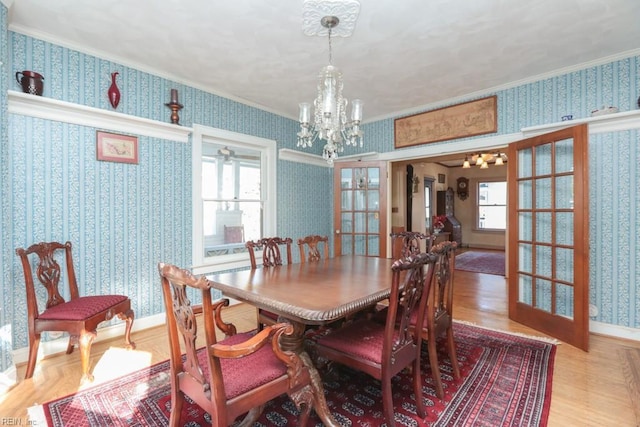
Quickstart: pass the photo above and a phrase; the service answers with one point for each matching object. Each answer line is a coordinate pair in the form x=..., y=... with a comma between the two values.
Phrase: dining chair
x=438, y=318
x=231, y=377
x=309, y=251
x=410, y=243
x=380, y=349
x=271, y=257
x=79, y=316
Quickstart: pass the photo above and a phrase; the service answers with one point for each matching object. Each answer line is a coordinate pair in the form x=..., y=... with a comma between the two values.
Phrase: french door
x=548, y=234
x=360, y=208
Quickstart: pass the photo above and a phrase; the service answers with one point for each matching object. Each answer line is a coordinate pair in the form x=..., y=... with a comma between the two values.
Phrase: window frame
x=476, y=212
x=268, y=176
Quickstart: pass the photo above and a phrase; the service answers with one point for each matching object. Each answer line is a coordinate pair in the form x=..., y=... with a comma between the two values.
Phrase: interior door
x=360, y=208
x=548, y=234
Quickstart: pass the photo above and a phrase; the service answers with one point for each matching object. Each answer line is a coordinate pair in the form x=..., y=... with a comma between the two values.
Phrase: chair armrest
x=228, y=329
x=273, y=333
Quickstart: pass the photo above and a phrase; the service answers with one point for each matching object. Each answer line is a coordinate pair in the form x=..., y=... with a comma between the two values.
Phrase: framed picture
x=441, y=178
x=111, y=147
x=457, y=121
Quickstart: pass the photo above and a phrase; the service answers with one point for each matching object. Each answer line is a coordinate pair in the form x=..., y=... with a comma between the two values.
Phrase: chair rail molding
x=68, y=112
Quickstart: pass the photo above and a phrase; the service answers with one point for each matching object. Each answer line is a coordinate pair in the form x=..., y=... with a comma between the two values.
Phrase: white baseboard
x=492, y=247
x=614, y=331
x=48, y=348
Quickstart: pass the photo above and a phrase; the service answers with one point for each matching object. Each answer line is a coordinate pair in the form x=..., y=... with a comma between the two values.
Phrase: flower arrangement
x=438, y=221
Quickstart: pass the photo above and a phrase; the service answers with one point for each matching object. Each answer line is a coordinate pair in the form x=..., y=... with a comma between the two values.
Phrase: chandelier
x=483, y=159
x=329, y=121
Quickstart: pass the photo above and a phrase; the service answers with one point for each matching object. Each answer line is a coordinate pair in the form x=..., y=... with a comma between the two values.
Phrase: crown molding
x=68, y=112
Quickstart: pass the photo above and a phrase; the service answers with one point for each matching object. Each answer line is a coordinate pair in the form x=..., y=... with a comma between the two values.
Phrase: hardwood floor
x=589, y=389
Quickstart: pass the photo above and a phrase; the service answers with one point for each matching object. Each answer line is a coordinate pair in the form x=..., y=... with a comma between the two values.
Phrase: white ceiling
x=403, y=56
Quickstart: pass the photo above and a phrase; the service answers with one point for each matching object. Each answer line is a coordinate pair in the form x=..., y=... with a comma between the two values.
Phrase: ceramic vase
x=114, y=92
x=31, y=82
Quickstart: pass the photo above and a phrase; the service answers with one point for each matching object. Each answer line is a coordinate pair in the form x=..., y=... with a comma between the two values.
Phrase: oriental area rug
x=506, y=381
x=490, y=262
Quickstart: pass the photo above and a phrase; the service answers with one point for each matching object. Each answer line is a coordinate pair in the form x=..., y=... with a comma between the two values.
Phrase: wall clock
x=463, y=188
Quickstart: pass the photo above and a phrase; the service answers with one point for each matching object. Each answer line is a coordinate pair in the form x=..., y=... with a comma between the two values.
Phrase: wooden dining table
x=311, y=293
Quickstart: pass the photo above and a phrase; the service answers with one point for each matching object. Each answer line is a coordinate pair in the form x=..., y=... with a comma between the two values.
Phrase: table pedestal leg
x=295, y=343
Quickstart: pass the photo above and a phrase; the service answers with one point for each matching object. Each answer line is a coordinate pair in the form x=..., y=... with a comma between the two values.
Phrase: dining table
x=311, y=293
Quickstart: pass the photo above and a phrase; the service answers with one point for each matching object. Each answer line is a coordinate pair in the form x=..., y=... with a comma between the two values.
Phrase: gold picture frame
x=471, y=118
x=112, y=147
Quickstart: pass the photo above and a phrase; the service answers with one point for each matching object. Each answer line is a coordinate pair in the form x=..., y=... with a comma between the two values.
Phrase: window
x=429, y=212
x=492, y=205
x=233, y=196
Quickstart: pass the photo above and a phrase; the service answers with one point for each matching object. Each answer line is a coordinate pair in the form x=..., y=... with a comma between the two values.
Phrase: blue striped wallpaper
x=6, y=274
x=124, y=218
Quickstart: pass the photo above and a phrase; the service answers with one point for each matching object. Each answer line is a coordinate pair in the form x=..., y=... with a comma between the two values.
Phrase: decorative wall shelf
x=607, y=123
x=68, y=112
x=316, y=160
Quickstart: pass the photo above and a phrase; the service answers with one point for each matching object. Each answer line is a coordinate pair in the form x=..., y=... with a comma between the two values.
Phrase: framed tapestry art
x=111, y=147
x=457, y=121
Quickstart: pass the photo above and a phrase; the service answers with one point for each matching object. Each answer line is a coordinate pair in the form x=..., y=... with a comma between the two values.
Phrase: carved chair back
x=410, y=242
x=271, y=252
x=311, y=244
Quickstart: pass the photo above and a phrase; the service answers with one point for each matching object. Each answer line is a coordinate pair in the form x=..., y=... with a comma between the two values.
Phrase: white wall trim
x=316, y=160
x=48, y=348
x=463, y=146
x=616, y=122
x=68, y=112
x=614, y=331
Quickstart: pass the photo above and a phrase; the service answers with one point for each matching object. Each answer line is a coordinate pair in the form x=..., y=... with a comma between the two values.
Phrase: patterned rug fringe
x=517, y=334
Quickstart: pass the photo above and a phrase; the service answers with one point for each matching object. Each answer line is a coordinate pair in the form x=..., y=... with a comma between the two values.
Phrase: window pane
x=493, y=217
x=543, y=159
x=564, y=156
x=524, y=163
x=232, y=199
x=228, y=225
x=492, y=205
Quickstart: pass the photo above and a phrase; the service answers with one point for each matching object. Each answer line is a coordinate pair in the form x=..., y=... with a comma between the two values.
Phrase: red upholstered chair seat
x=81, y=308
x=234, y=371
x=362, y=338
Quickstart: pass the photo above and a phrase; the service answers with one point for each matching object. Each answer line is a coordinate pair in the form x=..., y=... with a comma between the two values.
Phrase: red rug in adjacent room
x=481, y=262
x=506, y=381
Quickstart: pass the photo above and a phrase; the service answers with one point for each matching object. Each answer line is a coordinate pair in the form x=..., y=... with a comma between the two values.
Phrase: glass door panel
x=548, y=287
x=361, y=226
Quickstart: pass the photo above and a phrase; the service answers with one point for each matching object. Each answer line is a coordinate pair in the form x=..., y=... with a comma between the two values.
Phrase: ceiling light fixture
x=466, y=164
x=483, y=160
x=329, y=121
